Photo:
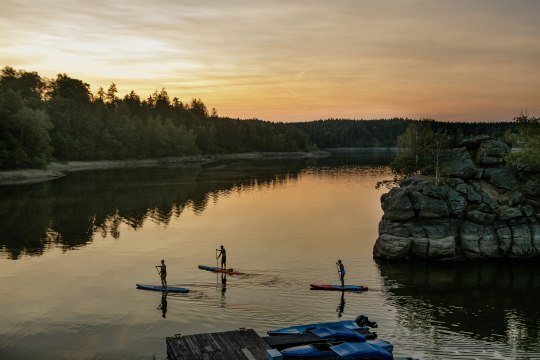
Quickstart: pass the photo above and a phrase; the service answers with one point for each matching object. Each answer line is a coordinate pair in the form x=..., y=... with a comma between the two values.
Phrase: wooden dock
x=229, y=345
x=236, y=345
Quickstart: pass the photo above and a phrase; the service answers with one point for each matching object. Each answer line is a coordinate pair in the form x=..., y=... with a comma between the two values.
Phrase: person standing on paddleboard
x=341, y=272
x=162, y=270
x=223, y=255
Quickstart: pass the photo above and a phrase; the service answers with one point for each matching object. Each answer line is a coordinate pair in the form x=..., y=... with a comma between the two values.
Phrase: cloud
x=411, y=56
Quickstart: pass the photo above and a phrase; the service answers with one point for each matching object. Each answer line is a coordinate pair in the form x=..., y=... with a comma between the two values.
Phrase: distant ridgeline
x=60, y=119
x=482, y=208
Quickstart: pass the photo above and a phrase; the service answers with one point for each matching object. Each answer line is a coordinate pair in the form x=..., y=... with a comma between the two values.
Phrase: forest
x=60, y=119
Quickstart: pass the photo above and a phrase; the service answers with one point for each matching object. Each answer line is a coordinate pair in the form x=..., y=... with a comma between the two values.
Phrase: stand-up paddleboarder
x=162, y=270
x=341, y=272
x=223, y=255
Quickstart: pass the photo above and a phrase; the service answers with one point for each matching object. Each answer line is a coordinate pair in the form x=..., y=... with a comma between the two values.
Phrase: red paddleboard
x=220, y=270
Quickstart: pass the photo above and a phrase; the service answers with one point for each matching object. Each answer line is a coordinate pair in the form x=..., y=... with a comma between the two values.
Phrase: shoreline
x=56, y=170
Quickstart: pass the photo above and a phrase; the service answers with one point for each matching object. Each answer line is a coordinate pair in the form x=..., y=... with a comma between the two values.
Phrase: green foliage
x=526, y=140
x=198, y=108
x=24, y=127
x=419, y=150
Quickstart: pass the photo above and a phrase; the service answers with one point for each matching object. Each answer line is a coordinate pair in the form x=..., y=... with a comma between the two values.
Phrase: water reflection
x=492, y=301
x=223, y=289
x=70, y=210
x=163, y=304
x=341, y=307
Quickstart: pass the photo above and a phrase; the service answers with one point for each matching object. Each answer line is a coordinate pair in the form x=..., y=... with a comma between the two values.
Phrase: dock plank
x=238, y=344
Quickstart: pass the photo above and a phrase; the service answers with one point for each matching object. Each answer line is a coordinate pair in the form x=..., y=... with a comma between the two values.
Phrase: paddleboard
x=160, y=288
x=338, y=287
x=220, y=270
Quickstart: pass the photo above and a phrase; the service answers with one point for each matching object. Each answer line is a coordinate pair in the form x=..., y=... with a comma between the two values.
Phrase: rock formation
x=481, y=208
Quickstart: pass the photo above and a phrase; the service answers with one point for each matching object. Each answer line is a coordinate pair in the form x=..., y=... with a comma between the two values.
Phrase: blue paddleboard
x=160, y=288
x=338, y=287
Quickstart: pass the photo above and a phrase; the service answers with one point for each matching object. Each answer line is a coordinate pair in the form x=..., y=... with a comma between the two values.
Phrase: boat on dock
x=370, y=349
x=361, y=323
x=321, y=341
x=330, y=335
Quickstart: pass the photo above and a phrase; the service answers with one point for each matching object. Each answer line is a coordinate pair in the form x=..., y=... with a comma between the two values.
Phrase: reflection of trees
x=70, y=210
x=486, y=300
x=25, y=217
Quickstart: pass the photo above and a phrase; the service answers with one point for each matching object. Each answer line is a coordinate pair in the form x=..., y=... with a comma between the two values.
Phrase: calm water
x=72, y=250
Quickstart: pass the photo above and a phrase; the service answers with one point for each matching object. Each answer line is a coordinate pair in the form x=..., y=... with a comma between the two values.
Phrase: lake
x=72, y=250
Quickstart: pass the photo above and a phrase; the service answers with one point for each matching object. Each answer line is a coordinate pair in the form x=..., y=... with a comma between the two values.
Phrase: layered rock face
x=481, y=208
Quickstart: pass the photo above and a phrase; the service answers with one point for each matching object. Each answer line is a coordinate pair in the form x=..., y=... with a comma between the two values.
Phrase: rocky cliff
x=481, y=208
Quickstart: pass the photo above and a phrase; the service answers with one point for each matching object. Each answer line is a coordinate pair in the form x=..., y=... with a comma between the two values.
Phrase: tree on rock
x=419, y=150
x=527, y=139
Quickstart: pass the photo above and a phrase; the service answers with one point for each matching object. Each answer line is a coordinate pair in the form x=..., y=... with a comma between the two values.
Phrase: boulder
x=428, y=207
x=392, y=247
x=444, y=247
x=522, y=245
x=482, y=210
x=458, y=163
x=491, y=152
x=503, y=178
x=507, y=213
x=457, y=203
x=397, y=206
x=474, y=142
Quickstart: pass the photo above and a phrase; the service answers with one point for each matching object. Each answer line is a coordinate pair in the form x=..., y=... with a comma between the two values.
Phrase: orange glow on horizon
x=300, y=61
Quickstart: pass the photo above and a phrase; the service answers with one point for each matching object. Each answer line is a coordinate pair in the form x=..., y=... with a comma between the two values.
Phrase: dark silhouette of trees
x=60, y=119
x=24, y=126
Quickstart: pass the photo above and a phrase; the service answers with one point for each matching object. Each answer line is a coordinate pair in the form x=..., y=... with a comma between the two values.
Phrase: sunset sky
x=292, y=60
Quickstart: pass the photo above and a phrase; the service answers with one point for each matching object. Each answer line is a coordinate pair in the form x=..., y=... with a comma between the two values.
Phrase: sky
x=292, y=60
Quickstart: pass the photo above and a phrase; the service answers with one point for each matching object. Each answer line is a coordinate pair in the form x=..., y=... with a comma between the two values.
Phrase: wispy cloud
x=450, y=60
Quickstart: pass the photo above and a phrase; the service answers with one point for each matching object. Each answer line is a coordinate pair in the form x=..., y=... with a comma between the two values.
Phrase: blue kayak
x=324, y=351
x=160, y=288
x=361, y=350
x=337, y=333
x=338, y=287
x=303, y=329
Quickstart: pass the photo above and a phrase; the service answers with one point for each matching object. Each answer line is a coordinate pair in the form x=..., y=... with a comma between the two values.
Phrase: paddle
x=217, y=276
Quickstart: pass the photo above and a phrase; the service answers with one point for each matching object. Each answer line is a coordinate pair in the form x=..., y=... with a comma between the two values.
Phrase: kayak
x=220, y=270
x=324, y=351
x=303, y=329
x=338, y=287
x=361, y=350
x=160, y=288
x=361, y=322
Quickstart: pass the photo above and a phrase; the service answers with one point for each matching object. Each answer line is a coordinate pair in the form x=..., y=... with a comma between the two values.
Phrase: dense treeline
x=333, y=133
x=60, y=119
